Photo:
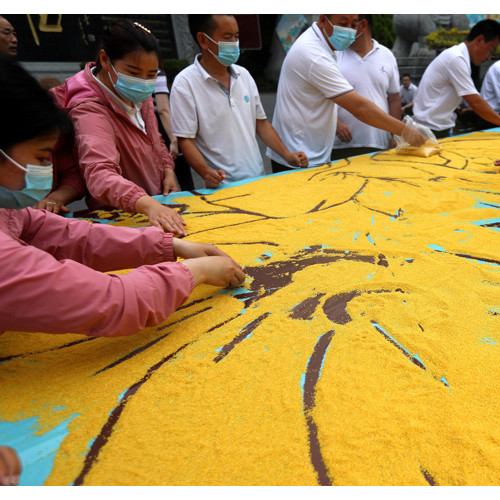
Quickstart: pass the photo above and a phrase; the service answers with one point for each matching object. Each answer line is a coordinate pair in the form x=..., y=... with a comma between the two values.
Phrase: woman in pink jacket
x=52, y=268
x=55, y=265
x=123, y=158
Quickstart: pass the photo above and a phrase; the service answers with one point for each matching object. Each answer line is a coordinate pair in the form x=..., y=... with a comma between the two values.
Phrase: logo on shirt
x=246, y=98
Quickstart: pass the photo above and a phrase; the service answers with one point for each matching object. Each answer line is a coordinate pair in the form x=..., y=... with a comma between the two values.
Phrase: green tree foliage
x=383, y=29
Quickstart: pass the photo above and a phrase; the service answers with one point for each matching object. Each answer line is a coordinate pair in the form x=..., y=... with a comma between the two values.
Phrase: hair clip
x=143, y=28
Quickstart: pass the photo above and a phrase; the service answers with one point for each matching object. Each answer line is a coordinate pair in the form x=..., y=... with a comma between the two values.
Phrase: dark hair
x=123, y=37
x=487, y=27
x=406, y=74
x=28, y=110
x=369, y=19
x=204, y=23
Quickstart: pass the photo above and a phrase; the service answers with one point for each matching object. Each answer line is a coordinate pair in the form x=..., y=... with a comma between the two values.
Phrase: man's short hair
x=489, y=28
x=369, y=19
x=406, y=74
x=204, y=23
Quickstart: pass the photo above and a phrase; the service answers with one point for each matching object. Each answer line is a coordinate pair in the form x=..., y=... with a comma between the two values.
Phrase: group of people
x=97, y=135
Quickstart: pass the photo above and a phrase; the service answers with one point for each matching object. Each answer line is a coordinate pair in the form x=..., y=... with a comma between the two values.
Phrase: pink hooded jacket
x=52, y=280
x=119, y=162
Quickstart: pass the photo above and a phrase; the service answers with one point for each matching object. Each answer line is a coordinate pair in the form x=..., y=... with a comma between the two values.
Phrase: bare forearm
x=271, y=138
x=394, y=103
x=482, y=108
x=65, y=194
x=193, y=156
x=369, y=113
x=165, y=121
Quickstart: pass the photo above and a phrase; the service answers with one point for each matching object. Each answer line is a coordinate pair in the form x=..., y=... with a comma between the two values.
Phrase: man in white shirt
x=407, y=91
x=310, y=86
x=372, y=70
x=448, y=79
x=216, y=109
x=490, y=90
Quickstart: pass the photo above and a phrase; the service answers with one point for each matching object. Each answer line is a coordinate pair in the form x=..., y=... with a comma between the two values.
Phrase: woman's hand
x=52, y=204
x=215, y=271
x=191, y=250
x=10, y=466
x=169, y=181
x=161, y=216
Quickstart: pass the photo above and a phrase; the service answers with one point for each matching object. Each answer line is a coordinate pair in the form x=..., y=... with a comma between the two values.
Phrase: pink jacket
x=52, y=280
x=120, y=163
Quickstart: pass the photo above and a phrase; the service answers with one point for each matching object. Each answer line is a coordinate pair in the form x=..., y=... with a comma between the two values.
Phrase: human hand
x=297, y=159
x=190, y=250
x=161, y=216
x=10, y=466
x=213, y=178
x=215, y=271
x=343, y=132
x=52, y=204
x=169, y=181
x=174, y=148
x=413, y=136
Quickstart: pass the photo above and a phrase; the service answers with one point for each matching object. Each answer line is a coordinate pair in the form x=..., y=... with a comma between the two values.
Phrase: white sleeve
x=183, y=113
x=394, y=79
x=328, y=79
x=460, y=77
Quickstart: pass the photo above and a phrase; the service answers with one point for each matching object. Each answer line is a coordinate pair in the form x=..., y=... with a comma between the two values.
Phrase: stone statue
x=411, y=30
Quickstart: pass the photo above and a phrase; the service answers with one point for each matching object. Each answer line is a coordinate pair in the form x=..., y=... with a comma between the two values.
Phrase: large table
x=362, y=349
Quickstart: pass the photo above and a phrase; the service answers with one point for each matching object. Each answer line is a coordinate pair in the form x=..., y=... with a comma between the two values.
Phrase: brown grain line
x=107, y=429
x=311, y=378
x=244, y=333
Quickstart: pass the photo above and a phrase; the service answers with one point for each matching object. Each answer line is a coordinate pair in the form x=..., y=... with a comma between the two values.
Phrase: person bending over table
x=55, y=265
x=122, y=156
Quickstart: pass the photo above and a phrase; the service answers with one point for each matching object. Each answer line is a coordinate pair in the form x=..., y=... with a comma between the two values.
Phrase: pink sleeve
x=100, y=160
x=67, y=173
x=40, y=292
x=99, y=246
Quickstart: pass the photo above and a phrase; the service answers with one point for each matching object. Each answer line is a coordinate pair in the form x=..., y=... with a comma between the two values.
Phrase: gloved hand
x=413, y=136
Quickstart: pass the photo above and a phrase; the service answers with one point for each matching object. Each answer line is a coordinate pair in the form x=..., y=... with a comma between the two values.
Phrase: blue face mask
x=38, y=180
x=342, y=37
x=132, y=88
x=229, y=52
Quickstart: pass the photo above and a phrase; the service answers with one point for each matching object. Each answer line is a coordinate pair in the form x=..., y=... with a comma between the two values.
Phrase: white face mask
x=38, y=183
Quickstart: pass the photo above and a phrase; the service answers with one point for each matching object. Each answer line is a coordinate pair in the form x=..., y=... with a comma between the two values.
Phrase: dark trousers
x=340, y=153
x=442, y=134
x=182, y=168
x=278, y=167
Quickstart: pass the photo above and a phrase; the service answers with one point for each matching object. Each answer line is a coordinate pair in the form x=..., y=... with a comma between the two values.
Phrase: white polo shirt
x=408, y=94
x=490, y=89
x=374, y=76
x=222, y=122
x=305, y=117
x=445, y=81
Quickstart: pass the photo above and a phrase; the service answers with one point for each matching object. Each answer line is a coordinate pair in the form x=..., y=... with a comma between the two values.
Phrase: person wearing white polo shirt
x=372, y=70
x=448, y=79
x=407, y=91
x=310, y=86
x=490, y=90
x=216, y=109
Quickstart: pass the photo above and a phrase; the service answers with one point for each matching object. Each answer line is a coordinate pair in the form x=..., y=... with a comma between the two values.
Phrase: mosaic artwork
x=362, y=349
